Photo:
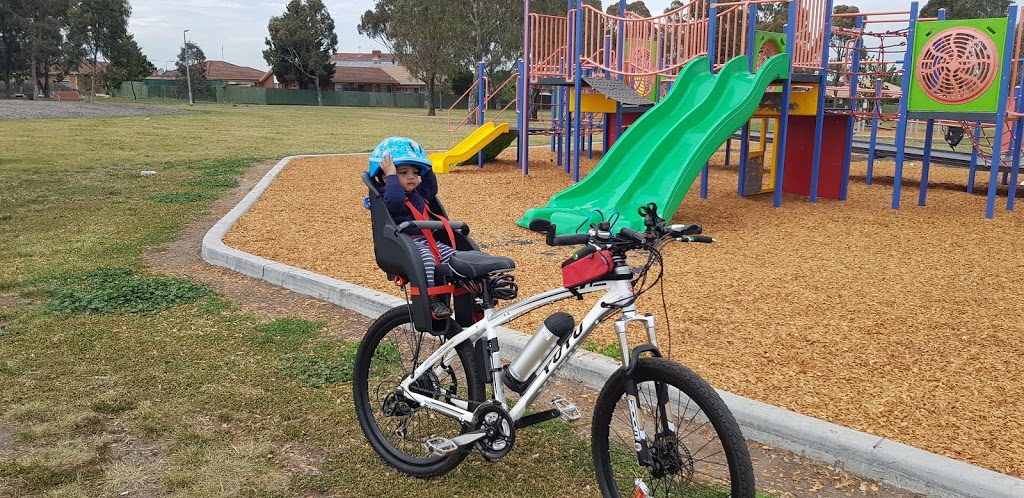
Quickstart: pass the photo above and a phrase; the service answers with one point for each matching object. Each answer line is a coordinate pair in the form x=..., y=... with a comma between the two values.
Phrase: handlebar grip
x=698, y=238
x=631, y=234
x=457, y=226
x=567, y=240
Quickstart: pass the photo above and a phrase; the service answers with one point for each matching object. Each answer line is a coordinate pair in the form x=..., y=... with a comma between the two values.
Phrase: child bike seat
x=397, y=255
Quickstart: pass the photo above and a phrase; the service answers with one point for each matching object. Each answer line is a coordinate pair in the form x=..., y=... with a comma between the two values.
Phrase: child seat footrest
x=473, y=264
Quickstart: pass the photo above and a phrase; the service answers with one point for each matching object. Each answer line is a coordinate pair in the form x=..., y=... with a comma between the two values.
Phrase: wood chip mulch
x=905, y=324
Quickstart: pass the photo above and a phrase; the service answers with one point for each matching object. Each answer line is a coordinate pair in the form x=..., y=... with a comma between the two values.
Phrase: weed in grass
x=178, y=198
x=216, y=306
x=118, y=290
x=287, y=333
x=610, y=350
x=322, y=368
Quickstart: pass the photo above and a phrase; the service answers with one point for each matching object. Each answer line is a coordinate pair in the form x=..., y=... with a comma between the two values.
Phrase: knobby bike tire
x=710, y=459
x=384, y=358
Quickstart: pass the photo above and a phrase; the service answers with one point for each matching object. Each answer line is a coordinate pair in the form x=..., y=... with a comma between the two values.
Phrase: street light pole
x=188, y=72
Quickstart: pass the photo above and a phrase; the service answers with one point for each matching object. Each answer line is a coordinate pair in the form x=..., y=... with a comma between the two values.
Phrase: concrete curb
x=858, y=452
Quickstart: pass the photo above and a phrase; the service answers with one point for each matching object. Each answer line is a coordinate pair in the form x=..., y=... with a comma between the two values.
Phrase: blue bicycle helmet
x=403, y=151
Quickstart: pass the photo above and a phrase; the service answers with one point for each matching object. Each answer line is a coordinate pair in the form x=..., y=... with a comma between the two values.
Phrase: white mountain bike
x=658, y=428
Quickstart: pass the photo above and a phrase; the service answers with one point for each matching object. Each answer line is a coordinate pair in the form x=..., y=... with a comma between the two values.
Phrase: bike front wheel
x=694, y=443
x=394, y=425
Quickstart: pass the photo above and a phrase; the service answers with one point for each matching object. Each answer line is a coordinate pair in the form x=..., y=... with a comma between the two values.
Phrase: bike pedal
x=568, y=410
x=441, y=446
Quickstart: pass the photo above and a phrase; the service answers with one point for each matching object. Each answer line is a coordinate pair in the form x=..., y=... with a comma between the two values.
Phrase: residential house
x=218, y=73
x=369, y=72
x=373, y=72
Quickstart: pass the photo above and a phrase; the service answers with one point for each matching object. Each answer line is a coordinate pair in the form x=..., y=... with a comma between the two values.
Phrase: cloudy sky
x=234, y=30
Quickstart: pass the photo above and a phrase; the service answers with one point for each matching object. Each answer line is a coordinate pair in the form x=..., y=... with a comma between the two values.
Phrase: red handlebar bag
x=591, y=267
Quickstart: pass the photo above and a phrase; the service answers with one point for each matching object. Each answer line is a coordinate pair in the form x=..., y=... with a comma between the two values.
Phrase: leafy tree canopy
x=975, y=9
x=191, y=67
x=301, y=43
x=638, y=7
x=127, y=63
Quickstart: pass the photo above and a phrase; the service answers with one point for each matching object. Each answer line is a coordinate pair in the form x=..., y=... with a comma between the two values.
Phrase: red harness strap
x=429, y=234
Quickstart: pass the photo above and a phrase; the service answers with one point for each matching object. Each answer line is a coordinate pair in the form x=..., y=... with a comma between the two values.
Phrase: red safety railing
x=810, y=34
x=548, y=45
x=661, y=44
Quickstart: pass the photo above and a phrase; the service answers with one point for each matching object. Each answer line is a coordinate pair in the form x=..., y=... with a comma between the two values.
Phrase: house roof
x=220, y=70
x=217, y=70
x=375, y=58
x=86, y=67
x=363, y=75
x=402, y=75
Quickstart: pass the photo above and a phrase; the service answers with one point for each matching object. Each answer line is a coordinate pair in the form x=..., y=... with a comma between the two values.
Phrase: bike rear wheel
x=695, y=444
x=395, y=428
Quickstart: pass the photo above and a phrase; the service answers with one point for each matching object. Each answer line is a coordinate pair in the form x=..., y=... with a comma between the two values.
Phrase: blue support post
x=481, y=105
x=712, y=28
x=741, y=182
x=997, y=135
x=578, y=87
x=728, y=149
x=901, y=126
x=877, y=111
x=521, y=121
x=620, y=57
x=844, y=187
x=787, y=92
x=819, y=118
x=974, y=157
x=524, y=75
x=926, y=161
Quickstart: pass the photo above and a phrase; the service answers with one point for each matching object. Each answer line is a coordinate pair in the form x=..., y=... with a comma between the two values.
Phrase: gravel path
x=31, y=109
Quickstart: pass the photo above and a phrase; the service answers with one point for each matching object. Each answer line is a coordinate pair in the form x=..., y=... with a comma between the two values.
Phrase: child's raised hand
x=387, y=166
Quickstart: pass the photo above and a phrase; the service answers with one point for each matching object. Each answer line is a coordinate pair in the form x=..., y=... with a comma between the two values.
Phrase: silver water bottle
x=555, y=327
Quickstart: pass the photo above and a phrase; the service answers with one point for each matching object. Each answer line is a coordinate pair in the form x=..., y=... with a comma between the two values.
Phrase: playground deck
x=904, y=324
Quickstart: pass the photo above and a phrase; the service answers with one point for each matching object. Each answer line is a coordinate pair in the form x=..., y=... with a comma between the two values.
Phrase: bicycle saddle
x=474, y=264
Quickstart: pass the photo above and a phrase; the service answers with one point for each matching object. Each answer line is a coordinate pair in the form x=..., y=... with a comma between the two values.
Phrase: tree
x=127, y=63
x=101, y=24
x=419, y=33
x=772, y=16
x=43, y=21
x=638, y=7
x=191, y=67
x=300, y=45
x=976, y=9
x=494, y=32
x=13, y=42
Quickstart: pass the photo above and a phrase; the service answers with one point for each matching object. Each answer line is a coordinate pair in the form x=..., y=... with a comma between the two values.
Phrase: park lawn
x=116, y=379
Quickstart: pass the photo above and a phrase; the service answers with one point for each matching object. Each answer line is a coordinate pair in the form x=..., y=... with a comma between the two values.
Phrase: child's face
x=408, y=176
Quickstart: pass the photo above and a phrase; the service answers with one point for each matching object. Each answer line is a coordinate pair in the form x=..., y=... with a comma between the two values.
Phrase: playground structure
x=961, y=75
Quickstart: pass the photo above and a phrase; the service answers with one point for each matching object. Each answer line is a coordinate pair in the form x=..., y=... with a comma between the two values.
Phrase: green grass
x=119, y=379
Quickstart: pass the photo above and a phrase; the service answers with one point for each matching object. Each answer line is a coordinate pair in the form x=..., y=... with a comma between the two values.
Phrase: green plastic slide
x=660, y=155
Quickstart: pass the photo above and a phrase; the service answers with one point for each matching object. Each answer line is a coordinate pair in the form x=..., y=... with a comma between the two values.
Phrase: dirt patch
x=32, y=109
x=879, y=320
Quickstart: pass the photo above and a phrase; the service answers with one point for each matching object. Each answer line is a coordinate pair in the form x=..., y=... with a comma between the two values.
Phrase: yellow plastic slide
x=472, y=144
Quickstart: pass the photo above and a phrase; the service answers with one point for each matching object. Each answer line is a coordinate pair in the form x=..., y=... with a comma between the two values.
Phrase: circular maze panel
x=957, y=65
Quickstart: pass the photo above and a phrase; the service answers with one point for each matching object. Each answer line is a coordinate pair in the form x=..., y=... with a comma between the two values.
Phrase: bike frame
x=616, y=291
